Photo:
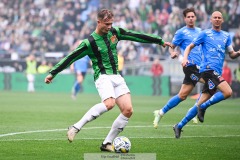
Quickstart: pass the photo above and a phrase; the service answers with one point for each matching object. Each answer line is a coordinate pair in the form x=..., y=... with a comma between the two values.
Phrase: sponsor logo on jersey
x=194, y=77
x=217, y=49
x=211, y=85
x=114, y=39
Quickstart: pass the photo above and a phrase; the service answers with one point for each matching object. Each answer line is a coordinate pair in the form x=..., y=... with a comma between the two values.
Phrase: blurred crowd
x=41, y=26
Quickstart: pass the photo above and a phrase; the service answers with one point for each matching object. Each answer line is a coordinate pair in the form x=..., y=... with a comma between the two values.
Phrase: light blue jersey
x=214, y=45
x=182, y=38
x=81, y=65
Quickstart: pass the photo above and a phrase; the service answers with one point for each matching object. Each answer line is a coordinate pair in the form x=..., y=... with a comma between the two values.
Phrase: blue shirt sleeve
x=200, y=39
x=177, y=39
x=229, y=41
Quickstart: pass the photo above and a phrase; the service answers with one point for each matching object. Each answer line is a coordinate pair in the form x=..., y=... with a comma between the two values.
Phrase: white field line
x=169, y=137
x=90, y=128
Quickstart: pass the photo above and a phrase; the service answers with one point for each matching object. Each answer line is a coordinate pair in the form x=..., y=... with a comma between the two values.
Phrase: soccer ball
x=121, y=144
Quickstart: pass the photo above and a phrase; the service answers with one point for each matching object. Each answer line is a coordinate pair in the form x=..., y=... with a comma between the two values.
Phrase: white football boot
x=195, y=120
x=72, y=132
x=157, y=118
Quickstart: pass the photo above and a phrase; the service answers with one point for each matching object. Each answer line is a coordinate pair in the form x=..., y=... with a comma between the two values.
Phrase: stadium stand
x=45, y=27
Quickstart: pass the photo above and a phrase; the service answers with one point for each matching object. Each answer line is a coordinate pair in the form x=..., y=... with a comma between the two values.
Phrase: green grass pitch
x=34, y=125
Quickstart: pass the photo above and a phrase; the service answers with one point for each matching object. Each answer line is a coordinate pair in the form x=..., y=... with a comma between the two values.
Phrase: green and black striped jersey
x=102, y=50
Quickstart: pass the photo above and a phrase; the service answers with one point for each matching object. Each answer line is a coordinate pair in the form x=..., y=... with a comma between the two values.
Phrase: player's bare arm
x=234, y=54
x=173, y=52
x=186, y=53
x=167, y=44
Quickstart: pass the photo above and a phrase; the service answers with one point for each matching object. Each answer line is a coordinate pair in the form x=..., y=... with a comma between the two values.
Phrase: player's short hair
x=187, y=10
x=104, y=14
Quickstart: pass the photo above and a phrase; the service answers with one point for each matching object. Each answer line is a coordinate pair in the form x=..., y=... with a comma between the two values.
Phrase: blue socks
x=192, y=112
x=173, y=102
x=217, y=97
x=76, y=88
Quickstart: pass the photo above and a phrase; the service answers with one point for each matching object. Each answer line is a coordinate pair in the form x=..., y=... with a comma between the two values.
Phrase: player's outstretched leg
x=118, y=125
x=201, y=114
x=91, y=114
x=192, y=112
x=158, y=114
x=75, y=89
x=195, y=120
x=157, y=117
x=177, y=131
x=72, y=132
x=108, y=147
x=217, y=97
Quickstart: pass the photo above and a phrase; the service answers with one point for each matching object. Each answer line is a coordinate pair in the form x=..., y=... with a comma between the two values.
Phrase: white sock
x=91, y=114
x=161, y=113
x=31, y=87
x=117, y=127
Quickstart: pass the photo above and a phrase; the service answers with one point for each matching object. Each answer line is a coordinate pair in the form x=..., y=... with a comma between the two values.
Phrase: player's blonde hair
x=105, y=14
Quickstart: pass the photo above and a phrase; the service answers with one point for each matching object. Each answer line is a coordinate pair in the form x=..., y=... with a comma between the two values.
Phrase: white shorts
x=111, y=86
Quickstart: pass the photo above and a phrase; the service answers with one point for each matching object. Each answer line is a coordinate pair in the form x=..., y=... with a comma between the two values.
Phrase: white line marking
x=89, y=128
x=38, y=131
x=170, y=137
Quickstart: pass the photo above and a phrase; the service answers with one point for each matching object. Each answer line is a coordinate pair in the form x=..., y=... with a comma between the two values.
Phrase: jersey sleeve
x=177, y=39
x=124, y=34
x=229, y=41
x=199, y=40
x=76, y=54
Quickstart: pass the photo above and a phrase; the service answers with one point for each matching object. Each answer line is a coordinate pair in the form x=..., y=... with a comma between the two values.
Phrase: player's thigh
x=225, y=88
x=105, y=87
x=120, y=86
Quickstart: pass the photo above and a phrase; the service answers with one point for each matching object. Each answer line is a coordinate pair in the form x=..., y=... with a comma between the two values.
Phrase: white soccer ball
x=121, y=144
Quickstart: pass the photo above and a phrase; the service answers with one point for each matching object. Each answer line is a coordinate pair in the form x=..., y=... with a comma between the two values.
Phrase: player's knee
x=227, y=93
x=182, y=96
x=110, y=103
x=128, y=111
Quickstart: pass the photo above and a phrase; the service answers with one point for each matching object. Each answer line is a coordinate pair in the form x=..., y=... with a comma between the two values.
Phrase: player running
x=214, y=44
x=182, y=38
x=79, y=67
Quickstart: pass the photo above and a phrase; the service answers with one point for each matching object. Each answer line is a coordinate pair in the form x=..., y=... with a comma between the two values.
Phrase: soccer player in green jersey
x=101, y=48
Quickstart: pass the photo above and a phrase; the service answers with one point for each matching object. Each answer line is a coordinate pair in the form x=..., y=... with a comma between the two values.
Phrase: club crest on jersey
x=211, y=85
x=194, y=77
x=114, y=39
